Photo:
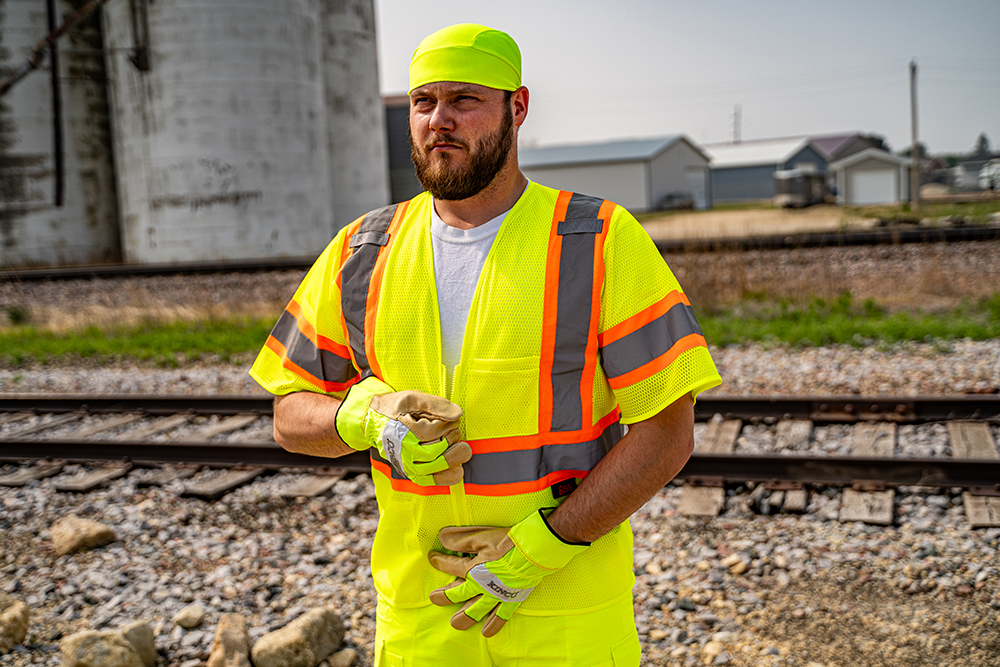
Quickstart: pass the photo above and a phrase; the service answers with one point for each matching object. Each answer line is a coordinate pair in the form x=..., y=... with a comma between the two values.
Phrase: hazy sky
x=616, y=69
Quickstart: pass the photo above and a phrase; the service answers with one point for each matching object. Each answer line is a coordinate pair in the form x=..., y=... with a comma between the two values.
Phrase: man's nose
x=442, y=118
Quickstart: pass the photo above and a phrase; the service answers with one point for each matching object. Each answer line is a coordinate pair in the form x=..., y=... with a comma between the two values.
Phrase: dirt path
x=752, y=222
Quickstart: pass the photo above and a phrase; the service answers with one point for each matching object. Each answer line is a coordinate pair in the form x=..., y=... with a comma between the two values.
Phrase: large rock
x=71, y=534
x=99, y=649
x=13, y=622
x=304, y=642
x=190, y=617
x=140, y=635
x=231, y=646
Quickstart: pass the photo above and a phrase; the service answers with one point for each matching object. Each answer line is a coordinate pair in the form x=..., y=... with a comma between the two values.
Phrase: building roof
x=756, y=153
x=869, y=154
x=832, y=143
x=632, y=150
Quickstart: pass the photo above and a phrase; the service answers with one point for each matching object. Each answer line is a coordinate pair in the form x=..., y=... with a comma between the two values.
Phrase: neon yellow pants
x=423, y=636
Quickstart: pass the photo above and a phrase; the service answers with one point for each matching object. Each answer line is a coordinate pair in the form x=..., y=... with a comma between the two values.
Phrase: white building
x=636, y=174
x=872, y=176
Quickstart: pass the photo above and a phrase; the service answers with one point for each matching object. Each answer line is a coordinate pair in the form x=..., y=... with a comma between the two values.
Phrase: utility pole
x=737, y=130
x=914, y=153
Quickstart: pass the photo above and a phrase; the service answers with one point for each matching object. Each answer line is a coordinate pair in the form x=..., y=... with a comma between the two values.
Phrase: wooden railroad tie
x=91, y=480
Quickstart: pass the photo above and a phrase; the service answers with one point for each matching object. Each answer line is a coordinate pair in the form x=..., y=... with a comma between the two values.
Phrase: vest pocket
x=501, y=398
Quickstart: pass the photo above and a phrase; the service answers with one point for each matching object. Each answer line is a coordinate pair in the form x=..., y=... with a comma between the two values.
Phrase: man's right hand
x=418, y=433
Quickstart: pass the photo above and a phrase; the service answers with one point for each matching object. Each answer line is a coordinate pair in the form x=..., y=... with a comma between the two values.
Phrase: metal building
x=57, y=193
x=872, y=176
x=637, y=174
x=745, y=171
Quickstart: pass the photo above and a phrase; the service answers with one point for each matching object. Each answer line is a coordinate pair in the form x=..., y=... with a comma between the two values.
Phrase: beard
x=452, y=183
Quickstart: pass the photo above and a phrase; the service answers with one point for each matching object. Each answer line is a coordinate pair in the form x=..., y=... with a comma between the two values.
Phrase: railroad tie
x=219, y=485
x=874, y=440
x=86, y=481
x=315, y=484
x=227, y=425
x=54, y=423
x=40, y=471
x=971, y=440
x=90, y=430
x=696, y=499
x=719, y=436
x=162, y=426
x=874, y=507
x=169, y=473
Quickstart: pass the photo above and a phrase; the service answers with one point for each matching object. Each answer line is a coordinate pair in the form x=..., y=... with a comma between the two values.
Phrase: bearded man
x=485, y=343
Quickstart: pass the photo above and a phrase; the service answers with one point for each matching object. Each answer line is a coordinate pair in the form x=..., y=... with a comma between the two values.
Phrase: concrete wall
x=33, y=229
x=624, y=183
x=359, y=178
x=668, y=171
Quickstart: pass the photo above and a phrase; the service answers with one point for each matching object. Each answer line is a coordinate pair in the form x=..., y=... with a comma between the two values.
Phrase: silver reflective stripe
x=356, y=276
x=650, y=341
x=576, y=284
x=529, y=465
x=392, y=444
x=321, y=364
x=497, y=588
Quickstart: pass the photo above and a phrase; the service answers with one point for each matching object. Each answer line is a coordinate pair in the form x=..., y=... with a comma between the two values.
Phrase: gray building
x=636, y=174
x=872, y=176
x=745, y=171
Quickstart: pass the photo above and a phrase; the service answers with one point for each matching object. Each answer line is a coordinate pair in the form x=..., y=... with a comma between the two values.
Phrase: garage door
x=872, y=186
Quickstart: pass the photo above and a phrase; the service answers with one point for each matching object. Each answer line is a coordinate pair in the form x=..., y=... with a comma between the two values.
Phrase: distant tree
x=878, y=141
x=982, y=146
x=921, y=150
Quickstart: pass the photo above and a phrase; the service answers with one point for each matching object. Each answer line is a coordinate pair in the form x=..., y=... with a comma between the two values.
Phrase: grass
x=758, y=318
x=844, y=321
x=974, y=212
x=169, y=344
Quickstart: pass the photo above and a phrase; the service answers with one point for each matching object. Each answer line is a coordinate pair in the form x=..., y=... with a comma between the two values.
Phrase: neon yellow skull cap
x=467, y=53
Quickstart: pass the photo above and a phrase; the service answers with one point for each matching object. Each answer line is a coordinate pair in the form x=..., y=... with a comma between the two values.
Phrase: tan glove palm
x=416, y=432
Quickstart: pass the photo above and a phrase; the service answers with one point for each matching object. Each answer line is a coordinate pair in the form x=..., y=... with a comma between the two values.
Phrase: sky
x=606, y=70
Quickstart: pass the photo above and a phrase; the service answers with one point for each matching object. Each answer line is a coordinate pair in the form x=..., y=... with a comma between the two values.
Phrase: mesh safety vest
x=576, y=327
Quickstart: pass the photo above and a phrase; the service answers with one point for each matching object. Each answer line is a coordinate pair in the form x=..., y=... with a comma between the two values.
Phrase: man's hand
x=508, y=564
x=416, y=432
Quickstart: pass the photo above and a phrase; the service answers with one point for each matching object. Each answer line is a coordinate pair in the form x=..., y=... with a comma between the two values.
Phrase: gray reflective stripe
x=355, y=278
x=576, y=284
x=529, y=465
x=581, y=226
x=494, y=586
x=649, y=341
x=363, y=238
x=321, y=364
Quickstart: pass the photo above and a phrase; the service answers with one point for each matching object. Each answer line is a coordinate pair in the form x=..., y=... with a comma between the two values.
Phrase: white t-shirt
x=459, y=256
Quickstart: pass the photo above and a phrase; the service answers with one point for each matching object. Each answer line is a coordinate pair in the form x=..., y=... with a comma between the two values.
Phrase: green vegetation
x=161, y=344
x=974, y=212
x=848, y=322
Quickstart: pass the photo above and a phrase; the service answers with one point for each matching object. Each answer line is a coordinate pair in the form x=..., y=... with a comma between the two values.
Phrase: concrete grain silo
x=359, y=177
x=221, y=143
x=57, y=196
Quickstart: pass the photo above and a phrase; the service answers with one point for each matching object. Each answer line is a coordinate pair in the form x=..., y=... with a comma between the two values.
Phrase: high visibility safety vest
x=577, y=326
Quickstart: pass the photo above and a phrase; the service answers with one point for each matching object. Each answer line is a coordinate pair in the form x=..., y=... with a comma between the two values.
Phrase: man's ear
x=519, y=105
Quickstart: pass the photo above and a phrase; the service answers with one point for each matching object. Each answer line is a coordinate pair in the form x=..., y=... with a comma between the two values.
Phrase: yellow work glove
x=417, y=433
x=508, y=564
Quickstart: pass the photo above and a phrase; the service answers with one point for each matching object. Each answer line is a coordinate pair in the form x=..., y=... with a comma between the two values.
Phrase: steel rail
x=819, y=409
x=775, y=242
x=731, y=468
x=894, y=236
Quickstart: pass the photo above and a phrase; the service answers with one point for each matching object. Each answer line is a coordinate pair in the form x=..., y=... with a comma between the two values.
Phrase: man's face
x=461, y=136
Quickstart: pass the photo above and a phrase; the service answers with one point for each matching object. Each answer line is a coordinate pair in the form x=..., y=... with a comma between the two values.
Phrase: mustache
x=445, y=139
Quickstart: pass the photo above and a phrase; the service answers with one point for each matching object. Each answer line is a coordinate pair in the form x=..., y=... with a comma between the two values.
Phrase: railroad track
x=173, y=437
x=888, y=236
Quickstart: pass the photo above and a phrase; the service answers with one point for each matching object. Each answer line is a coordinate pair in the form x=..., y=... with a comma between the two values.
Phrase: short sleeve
x=307, y=350
x=652, y=348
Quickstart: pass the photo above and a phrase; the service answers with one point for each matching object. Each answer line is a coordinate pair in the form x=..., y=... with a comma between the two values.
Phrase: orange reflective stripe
x=309, y=331
x=516, y=488
x=521, y=442
x=375, y=287
x=643, y=318
x=550, y=313
x=686, y=343
x=276, y=346
x=405, y=485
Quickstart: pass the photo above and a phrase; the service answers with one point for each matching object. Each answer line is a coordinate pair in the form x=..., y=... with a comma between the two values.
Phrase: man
x=485, y=342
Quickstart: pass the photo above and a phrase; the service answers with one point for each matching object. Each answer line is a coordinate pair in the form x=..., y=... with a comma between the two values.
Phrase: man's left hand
x=508, y=563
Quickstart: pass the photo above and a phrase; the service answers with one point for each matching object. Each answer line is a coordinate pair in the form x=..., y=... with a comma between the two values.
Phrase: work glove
x=417, y=433
x=508, y=563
